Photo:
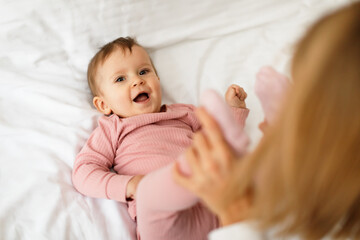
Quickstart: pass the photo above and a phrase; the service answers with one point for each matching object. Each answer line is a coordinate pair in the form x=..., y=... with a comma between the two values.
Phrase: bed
x=46, y=113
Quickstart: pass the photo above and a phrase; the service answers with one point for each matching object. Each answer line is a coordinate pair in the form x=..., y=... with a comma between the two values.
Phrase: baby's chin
x=156, y=110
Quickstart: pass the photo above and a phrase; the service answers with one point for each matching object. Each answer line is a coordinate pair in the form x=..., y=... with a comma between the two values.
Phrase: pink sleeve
x=240, y=115
x=92, y=175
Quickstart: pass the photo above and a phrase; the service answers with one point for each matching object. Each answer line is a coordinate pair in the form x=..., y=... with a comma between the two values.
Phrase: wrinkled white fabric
x=45, y=105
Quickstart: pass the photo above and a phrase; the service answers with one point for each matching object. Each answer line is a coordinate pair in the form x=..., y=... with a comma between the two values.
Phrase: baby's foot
x=220, y=111
x=270, y=87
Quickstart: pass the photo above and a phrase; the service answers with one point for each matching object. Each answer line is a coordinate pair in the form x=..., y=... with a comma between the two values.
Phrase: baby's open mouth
x=141, y=97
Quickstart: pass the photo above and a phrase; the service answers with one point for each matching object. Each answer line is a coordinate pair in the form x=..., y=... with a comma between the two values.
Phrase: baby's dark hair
x=126, y=43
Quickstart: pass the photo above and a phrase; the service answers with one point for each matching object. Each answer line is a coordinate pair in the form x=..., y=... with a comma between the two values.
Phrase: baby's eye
x=144, y=71
x=120, y=79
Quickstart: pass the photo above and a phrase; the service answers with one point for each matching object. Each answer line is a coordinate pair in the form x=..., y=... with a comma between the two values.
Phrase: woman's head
x=309, y=161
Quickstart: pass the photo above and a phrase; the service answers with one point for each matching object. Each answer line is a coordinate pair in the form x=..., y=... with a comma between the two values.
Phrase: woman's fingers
x=203, y=151
x=196, y=181
x=180, y=178
x=217, y=146
x=193, y=159
x=209, y=126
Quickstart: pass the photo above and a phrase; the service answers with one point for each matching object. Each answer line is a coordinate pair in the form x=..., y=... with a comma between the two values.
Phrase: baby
x=139, y=136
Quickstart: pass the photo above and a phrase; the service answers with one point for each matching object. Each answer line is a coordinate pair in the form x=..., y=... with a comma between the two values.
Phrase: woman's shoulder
x=241, y=230
x=249, y=230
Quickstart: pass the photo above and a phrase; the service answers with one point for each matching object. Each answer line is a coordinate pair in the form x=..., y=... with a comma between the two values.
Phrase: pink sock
x=270, y=87
x=220, y=111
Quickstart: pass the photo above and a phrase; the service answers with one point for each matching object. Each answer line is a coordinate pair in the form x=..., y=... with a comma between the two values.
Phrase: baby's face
x=128, y=83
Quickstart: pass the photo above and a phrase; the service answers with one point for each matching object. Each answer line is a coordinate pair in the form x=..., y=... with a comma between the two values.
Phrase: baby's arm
x=235, y=97
x=92, y=175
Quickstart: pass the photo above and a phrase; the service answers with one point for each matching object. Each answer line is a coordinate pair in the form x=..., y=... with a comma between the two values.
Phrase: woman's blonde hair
x=307, y=166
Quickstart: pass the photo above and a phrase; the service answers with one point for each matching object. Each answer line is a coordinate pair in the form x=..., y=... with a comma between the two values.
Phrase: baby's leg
x=158, y=191
x=220, y=111
x=271, y=88
x=194, y=223
x=165, y=210
x=159, y=188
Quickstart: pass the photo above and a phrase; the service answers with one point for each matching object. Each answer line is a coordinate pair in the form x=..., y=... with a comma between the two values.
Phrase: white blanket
x=45, y=105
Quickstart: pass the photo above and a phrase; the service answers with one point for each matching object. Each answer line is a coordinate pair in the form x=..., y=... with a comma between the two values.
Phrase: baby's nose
x=138, y=81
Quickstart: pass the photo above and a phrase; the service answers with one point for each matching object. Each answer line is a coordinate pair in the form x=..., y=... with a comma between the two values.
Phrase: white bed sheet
x=45, y=105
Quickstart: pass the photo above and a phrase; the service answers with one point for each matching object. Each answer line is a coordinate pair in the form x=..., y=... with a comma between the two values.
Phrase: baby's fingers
x=230, y=93
x=236, y=88
x=243, y=95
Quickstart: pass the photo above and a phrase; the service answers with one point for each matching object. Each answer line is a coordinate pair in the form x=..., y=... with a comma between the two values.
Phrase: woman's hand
x=132, y=186
x=215, y=173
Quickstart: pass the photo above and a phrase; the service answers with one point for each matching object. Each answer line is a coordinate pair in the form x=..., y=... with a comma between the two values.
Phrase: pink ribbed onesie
x=139, y=145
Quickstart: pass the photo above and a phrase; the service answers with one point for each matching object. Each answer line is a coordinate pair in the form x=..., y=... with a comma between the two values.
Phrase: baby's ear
x=101, y=105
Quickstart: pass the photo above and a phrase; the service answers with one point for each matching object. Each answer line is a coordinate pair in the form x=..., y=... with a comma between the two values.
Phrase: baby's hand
x=132, y=186
x=235, y=96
